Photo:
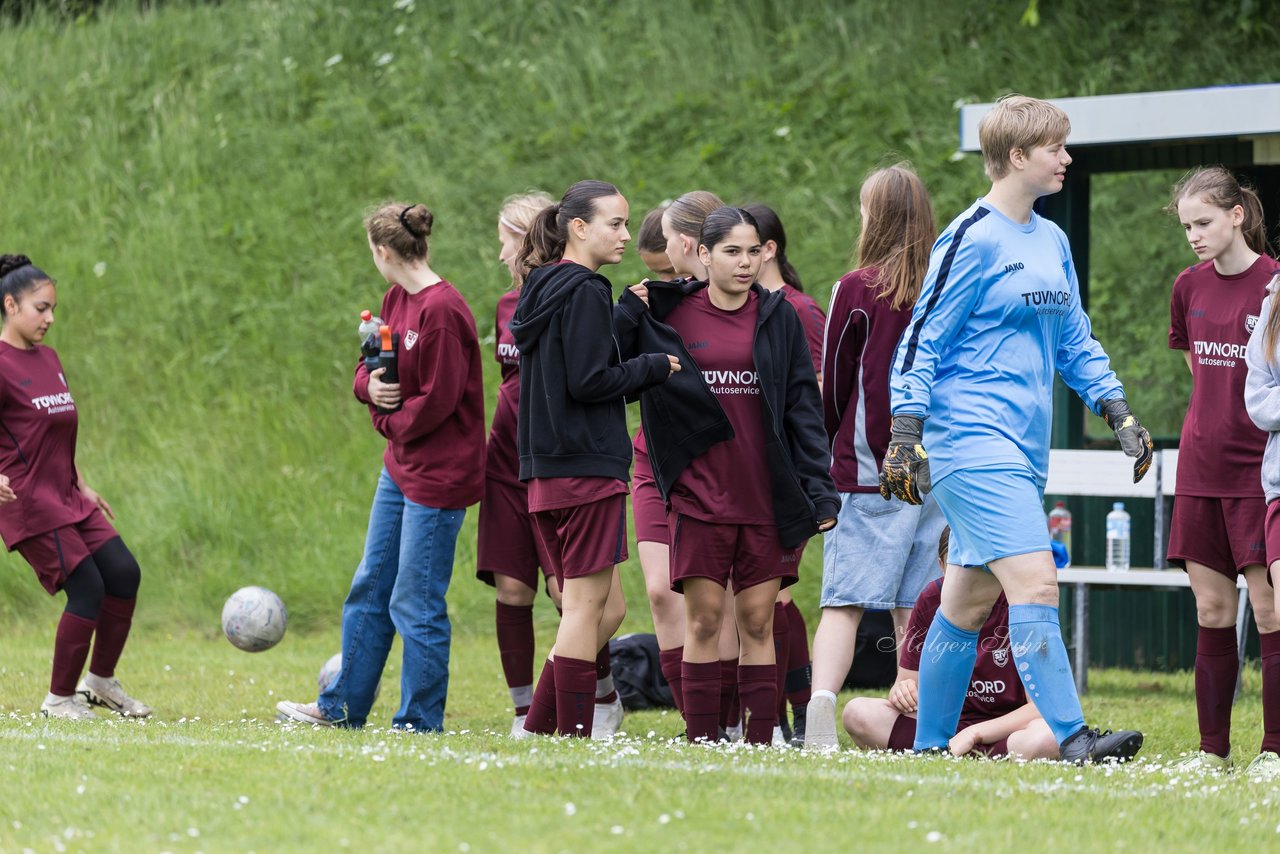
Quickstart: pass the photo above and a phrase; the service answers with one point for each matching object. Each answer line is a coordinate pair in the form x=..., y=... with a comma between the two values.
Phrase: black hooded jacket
x=682, y=417
x=573, y=381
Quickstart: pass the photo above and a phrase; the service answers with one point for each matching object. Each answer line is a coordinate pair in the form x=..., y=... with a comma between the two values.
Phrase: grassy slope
x=195, y=178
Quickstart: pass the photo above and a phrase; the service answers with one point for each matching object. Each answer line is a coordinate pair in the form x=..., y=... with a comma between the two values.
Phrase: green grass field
x=194, y=176
x=213, y=772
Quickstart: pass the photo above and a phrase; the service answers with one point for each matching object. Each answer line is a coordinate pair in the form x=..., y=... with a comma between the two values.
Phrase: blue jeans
x=399, y=586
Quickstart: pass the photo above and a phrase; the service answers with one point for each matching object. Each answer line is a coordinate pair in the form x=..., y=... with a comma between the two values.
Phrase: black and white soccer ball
x=254, y=619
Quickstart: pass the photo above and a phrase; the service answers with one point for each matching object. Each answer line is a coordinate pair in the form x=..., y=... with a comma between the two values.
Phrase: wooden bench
x=1109, y=474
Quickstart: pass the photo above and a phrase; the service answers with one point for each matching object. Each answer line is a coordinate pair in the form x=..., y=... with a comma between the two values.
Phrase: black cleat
x=798, y=714
x=1089, y=745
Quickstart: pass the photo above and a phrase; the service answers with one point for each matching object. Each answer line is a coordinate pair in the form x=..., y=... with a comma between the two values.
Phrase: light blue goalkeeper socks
x=946, y=665
x=1036, y=640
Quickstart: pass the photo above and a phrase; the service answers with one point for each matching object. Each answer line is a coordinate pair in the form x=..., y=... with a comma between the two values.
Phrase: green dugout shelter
x=1233, y=126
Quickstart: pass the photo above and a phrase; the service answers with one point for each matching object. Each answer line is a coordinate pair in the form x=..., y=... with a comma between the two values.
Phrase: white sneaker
x=779, y=740
x=820, y=725
x=734, y=732
x=108, y=693
x=607, y=719
x=303, y=713
x=72, y=708
x=517, y=727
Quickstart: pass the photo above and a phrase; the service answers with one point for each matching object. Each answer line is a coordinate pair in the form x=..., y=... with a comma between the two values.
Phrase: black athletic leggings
x=110, y=571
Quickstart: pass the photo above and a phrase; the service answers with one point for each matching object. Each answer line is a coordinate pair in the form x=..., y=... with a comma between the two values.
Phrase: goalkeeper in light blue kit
x=972, y=399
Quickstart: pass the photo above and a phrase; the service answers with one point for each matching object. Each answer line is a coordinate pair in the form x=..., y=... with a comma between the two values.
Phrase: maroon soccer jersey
x=812, y=319
x=995, y=688
x=502, y=462
x=435, y=441
x=730, y=483
x=557, y=493
x=38, y=424
x=862, y=337
x=1220, y=454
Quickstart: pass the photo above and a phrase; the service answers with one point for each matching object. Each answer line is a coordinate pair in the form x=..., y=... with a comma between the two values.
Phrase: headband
x=502, y=220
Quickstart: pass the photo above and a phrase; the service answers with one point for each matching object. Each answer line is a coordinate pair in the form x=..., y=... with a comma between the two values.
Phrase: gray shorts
x=881, y=553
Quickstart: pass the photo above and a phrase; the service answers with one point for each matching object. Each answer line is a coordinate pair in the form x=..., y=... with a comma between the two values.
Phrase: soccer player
x=49, y=515
x=996, y=719
x=508, y=554
x=880, y=554
x=575, y=453
x=433, y=469
x=1262, y=398
x=651, y=245
x=972, y=383
x=678, y=225
x=1219, y=511
x=714, y=437
x=790, y=634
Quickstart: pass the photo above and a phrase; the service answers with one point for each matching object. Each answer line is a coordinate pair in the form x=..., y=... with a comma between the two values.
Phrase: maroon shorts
x=506, y=544
x=647, y=507
x=747, y=555
x=903, y=737
x=582, y=540
x=1224, y=534
x=1273, y=536
x=54, y=555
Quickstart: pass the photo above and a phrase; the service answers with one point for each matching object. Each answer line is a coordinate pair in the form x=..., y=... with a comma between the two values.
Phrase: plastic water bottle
x=1060, y=525
x=369, y=325
x=1117, y=538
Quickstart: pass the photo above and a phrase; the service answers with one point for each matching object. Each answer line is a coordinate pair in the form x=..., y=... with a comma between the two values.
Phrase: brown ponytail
x=549, y=232
x=1218, y=187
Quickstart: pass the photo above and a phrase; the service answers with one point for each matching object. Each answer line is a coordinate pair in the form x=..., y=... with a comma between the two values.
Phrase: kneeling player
x=997, y=720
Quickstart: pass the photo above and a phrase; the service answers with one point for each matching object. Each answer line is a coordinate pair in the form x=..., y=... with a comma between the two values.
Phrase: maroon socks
x=542, y=710
x=114, y=619
x=729, y=712
x=575, y=696
x=669, y=660
x=1270, y=691
x=799, y=681
x=758, y=691
x=605, y=692
x=701, y=693
x=515, y=648
x=781, y=643
x=1217, y=663
x=70, y=649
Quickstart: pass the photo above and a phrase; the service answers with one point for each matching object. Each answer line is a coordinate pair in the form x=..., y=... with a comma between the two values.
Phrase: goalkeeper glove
x=1134, y=438
x=906, y=465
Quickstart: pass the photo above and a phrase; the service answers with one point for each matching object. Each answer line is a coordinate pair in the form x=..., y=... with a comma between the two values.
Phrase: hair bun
x=9, y=263
x=417, y=220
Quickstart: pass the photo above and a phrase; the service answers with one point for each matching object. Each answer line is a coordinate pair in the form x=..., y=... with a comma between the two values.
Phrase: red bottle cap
x=366, y=315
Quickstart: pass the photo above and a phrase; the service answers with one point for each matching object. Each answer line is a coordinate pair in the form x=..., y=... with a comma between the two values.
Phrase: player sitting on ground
x=997, y=719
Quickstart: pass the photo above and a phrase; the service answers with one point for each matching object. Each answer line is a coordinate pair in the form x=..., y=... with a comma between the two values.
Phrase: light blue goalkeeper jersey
x=999, y=313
